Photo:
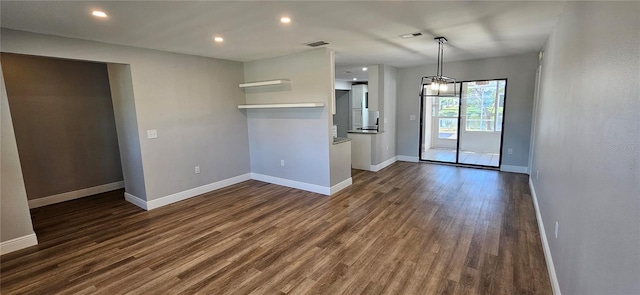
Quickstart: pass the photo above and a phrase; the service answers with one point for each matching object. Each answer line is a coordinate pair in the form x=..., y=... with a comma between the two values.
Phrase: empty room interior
x=320, y=147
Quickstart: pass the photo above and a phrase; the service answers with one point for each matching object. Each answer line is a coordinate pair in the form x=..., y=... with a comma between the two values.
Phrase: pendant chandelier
x=439, y=85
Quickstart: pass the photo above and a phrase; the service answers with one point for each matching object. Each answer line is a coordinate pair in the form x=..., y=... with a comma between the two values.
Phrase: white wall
x=587, y=147
x=519, y=70
x=342, y=85
x=299, y=136
x=427, y=122
x=15, y=219
x=483, y=142
x=191, y=101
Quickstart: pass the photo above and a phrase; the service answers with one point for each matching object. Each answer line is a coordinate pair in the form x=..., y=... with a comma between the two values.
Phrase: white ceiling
x=360, y=32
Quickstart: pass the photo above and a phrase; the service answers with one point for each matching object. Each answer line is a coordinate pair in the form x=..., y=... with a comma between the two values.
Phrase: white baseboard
x=555, y=285
x=85, y=192
x=408, y=159
x=150, y=205
x=136, y=201
x=514, y=169
x=376, y=168
x=18, y=243
x=340, y=186
x=183, y=195
x=325, y=190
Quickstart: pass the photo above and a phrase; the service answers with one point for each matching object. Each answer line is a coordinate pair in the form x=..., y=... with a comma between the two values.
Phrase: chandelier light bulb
x=434, y=85
x=443, y=87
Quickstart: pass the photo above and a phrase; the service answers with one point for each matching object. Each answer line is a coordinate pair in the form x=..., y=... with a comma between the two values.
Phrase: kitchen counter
x=365, y=131
x=339, y=140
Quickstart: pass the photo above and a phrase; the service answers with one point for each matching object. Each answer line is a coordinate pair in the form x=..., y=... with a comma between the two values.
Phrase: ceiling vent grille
x=317, y=43
x=412, y=35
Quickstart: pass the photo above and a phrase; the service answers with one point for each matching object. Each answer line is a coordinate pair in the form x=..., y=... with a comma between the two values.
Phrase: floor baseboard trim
x=18, y=243
x=81, y=193
x=136, y=201
x=555, y=285
x=408, y=159
x=376, y=168
x=342, y=185
x=514, y=169
x=292, y=183
x=190, y=193
x=183, y=195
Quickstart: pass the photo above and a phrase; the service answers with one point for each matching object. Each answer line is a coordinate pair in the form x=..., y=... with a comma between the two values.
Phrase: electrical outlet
x=282, y=163
x=537, y=174
x=387, y=148
x=153, y=133
x=556, y=232
x=412, y=117
x=510, y=151
x=197, y=169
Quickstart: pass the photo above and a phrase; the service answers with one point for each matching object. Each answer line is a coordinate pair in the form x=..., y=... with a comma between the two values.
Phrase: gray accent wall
x=341, y=118
x=586, y=151
x=299, y=136
x=124, y=109
x=340, y=162
x=15, y=219
x=191, y=101
x=375, y=87
x=519, y=70
x=64, y=123
x=384, y=145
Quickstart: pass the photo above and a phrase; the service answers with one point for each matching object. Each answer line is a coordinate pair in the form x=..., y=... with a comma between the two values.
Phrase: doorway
x=465, y=129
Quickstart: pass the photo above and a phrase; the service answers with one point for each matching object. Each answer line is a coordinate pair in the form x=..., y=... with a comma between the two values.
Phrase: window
x=446, y=110
x=484, y=105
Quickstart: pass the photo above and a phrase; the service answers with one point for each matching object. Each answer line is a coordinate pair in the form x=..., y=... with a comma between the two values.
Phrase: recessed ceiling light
x=355, y=79
x=218, y=39
x=285, y=20
x=365, y=69
x=99, y=13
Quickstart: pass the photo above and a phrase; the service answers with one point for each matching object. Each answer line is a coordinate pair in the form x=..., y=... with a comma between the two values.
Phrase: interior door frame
x=457, y=162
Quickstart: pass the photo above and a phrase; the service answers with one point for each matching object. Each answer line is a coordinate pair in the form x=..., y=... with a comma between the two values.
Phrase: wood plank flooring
x=408, y=229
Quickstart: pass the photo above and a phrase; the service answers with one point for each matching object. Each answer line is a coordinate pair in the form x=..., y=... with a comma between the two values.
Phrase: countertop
x=365, y=131
x=339, y=140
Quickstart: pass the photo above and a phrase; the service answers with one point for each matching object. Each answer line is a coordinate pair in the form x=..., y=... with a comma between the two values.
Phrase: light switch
x=412, y=117
x=153, y=133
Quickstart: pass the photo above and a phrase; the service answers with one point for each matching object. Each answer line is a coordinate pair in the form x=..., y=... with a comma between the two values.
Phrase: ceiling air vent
x=412, y=35
x=316, y=44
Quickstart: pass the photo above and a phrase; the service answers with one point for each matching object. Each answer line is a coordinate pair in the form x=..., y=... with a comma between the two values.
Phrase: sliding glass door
x=440, y=129
x=466, y=129
x=482, y=108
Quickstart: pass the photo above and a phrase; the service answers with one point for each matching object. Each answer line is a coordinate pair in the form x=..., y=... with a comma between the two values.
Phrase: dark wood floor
x=408, y=229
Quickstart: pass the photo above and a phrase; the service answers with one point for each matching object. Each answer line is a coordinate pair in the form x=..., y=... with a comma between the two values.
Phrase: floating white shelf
x=282, y=105
x=265, y=83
